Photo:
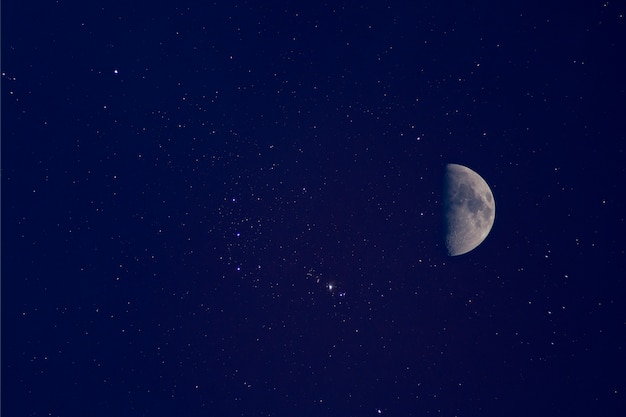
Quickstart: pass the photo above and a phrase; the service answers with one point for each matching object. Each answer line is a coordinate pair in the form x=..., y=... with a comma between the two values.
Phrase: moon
x=469, y=209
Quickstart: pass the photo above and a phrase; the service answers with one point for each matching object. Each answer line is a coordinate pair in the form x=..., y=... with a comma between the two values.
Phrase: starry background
x=233, y=209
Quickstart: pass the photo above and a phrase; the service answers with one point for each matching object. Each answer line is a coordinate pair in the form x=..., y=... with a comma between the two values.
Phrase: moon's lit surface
x=469, y=209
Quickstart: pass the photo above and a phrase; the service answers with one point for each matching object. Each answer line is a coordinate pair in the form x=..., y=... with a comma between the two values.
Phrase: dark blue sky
x=234, y=209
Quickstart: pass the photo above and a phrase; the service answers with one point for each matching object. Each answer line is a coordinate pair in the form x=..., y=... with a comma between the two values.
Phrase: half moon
x=469, y=209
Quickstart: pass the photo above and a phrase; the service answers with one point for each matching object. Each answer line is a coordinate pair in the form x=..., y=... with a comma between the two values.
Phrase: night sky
x=234, y=209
